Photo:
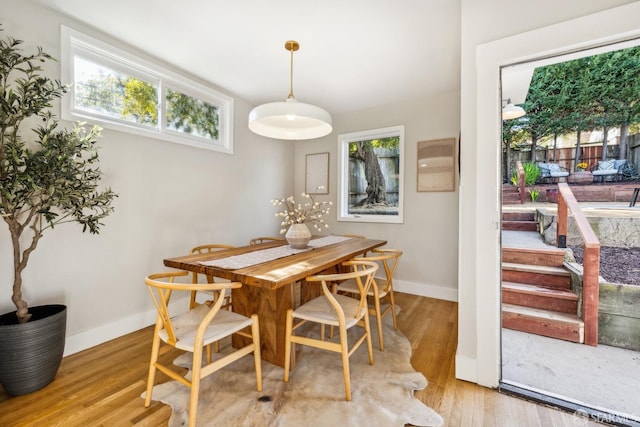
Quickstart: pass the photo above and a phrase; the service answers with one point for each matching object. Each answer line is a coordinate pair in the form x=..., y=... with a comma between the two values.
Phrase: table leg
x=311, y=290
x=271, y=307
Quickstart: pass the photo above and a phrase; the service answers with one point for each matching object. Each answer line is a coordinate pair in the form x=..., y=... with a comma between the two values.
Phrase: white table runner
x=258, y=257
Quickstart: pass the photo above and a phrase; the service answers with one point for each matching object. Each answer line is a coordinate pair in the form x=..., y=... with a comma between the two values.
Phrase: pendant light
x=290, y=119
x=511, y=111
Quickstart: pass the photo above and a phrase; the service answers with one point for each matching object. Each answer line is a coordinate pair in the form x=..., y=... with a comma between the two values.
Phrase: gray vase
x=30, y=353
x=298, y=236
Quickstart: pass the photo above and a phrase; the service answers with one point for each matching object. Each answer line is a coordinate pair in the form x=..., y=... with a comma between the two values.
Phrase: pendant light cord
x=291, y=77
x=291, y=46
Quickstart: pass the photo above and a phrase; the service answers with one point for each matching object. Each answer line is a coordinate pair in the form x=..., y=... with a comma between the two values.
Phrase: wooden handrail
x=591, y=259
x=521, y=181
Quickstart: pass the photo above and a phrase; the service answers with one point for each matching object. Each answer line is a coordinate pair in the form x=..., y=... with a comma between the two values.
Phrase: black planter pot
x=30, y=353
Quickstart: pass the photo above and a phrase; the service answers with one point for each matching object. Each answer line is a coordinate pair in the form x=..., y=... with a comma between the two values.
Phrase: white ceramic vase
x=298, y=236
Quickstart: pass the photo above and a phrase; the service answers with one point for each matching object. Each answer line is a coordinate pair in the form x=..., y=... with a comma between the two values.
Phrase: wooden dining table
x=268, y=287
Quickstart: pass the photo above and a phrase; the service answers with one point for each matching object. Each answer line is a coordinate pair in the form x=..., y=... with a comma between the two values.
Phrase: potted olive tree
x=48, y=176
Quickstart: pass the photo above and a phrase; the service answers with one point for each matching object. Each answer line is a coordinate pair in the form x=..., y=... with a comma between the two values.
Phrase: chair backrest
x=258, y=240
x=363, y=272
x=205, y=249
x=389, y=259
x=161, y=286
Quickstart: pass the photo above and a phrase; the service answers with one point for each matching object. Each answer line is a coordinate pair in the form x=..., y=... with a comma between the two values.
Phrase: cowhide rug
x=382, y=394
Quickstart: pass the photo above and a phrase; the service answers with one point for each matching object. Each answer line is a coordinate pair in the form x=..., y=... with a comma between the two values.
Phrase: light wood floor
x=101, y=386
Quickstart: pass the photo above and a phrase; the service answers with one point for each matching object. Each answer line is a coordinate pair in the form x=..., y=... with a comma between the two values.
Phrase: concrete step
x=560, y=300
x=542, y=275
x=543, y=322
x=550, y=257
x=520, y=225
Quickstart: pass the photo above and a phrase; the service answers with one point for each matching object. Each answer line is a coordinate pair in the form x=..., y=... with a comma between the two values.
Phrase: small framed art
x=317, y=174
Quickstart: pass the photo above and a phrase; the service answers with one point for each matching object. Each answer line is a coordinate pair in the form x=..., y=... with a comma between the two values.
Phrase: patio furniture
x=552, y=172
x=608, y=170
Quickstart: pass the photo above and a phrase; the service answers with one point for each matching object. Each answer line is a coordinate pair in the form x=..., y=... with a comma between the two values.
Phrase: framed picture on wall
x=371, y=175
x=436, y=165
x=317, y=174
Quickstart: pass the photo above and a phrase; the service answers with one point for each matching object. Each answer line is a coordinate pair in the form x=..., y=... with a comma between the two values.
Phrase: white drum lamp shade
x=290, y=119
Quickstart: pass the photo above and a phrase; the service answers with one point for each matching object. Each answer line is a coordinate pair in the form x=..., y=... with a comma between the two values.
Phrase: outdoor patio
x=605, y=378
x=616, y=192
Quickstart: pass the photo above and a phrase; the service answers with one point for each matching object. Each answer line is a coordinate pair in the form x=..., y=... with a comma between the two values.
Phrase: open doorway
x=543, y=352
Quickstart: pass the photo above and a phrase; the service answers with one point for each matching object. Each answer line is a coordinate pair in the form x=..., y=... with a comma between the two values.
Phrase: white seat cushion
x=185, y=326
x=601, y=172
x=559, y=174
x=319, y=310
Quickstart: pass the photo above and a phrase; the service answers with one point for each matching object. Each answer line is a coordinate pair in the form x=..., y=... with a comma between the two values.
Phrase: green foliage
x=390, y=143
x=583, y=94
x=51, y=178
x=534, y=195
x=117, y=94
x=140, y=101
x=531, y=174
x=104, y=95
x=135, y=100
x=192, y=116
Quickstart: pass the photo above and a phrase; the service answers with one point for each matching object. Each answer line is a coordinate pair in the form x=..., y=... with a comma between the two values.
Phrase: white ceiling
x=353, y=55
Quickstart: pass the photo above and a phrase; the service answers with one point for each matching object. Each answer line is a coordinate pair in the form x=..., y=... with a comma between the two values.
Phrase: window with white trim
x=124, y=92
x=371, y=175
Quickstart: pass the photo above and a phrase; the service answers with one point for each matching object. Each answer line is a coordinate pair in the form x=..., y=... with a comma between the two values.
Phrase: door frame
x=599, y=29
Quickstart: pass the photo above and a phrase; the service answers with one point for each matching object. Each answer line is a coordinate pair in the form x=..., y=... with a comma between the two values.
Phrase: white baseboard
x=466, y=369
x=426, y=290
x=84, y=340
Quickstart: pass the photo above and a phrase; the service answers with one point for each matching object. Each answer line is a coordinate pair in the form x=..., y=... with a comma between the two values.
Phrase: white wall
x=477, y=357
x=171, y=198
x=429, y=234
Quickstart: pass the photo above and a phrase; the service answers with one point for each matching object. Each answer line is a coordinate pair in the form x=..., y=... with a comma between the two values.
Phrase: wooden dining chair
x=382, y=288
x=258, y=240
x=193, y=330
x=336, y=310
x=205, y=249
